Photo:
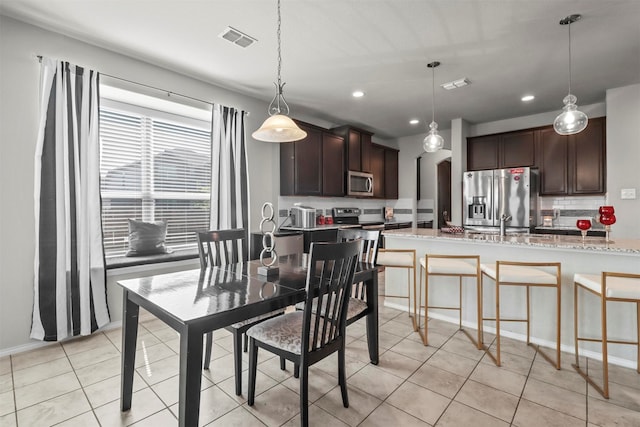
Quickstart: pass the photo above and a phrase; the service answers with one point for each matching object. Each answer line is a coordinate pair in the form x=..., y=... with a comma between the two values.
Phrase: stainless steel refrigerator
x=501, y=193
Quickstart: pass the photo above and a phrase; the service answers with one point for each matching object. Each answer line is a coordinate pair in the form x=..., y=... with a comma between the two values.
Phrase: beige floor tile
x=36, y=373
x=619, y=395
x=458, y=415
x=420, y=402
x=518, y=348
x=85, y=343
x=317, y=417
x=46, y=389
x=108, y=390
x=435, y=338
x=453, y=363
x=511, y=362
x=163, y=418
x=8, y=420
x=7, y=403
x=273, y=370
x=438, y=380
x=6, y=382
x=330, y=365
x=55, y=410
x=375, y=381
x=320, y=383
x=566, y=377
x=222, y=368
x=5, y=365
x=168, y=392
x=161, y=370
x=401, y=329
x=143, y=404
x=557, y=398
x=488, y=400
x=356, y=330
x=359, y=350
x=499, y=378
x=415, y=350
x=464, y=347
x=144, y=338
x=94, y=355
x=263, y=383
x=385, y=340
x=88, y=419
x=34, y=357
x=398, y=364
x=386, y=415
x=149, y=354
x=605, y=414
x=165, y=333
x=530, y=414
x=100, y=371
x=275, y=406
x=239, y=417
x=361, y=404
x=214, y=403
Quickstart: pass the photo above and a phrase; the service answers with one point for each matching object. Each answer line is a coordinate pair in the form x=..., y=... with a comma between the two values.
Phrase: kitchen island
x=594, y=256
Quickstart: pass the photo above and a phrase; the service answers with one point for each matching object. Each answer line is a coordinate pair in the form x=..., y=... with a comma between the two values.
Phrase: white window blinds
x=154, y=165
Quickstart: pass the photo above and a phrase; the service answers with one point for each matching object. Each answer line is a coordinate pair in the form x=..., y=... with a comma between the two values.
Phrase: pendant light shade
x=571, y=120
x=278, y=127
x=433, y=141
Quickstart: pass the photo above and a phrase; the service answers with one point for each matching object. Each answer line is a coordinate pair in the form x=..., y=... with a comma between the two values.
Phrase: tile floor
x=448, y=383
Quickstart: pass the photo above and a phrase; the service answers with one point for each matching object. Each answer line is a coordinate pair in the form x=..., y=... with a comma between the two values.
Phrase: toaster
x=303, y=216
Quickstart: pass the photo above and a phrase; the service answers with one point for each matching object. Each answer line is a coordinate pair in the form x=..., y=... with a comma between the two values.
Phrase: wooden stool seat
x=401, y=258
x=460, y=266
x=528, y=274
x=609, y=287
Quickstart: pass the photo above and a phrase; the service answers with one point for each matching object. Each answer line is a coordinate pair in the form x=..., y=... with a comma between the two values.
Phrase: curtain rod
x=168, y=92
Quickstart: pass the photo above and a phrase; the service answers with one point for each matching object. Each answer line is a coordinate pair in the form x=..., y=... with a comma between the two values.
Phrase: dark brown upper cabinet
x=313, y=166
x=505, y=150
x=358, y=144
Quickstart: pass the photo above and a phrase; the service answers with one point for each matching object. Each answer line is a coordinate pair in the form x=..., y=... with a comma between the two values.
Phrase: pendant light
x=279, y=127
x=433, y=141
x=571, y=120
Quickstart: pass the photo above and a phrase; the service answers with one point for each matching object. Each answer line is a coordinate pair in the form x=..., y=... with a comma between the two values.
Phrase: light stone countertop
x=624, y=246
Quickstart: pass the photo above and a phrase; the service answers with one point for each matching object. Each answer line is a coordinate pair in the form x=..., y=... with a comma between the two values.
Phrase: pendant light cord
x=569, y=57
x=279, y=49
x=433, y=94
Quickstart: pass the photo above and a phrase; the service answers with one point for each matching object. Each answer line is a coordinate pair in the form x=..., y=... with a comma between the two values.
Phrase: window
x=155, y=164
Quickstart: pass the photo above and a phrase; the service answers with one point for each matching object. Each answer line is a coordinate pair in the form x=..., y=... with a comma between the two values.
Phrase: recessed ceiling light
x=414, y=121
x=456, y=84
x=358, y=94
x=528, y=98
x=237, y=37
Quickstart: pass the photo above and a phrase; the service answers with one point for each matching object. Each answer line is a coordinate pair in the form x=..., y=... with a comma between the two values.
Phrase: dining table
x=195, y=302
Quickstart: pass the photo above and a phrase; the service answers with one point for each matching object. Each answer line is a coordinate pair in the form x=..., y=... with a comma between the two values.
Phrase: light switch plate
x=628, y=193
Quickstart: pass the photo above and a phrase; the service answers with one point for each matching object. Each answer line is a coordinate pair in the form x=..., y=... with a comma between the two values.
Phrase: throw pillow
x=147, y=238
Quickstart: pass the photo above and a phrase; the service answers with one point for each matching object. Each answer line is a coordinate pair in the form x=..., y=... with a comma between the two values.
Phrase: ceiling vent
x=237, y=37
x=455, y=84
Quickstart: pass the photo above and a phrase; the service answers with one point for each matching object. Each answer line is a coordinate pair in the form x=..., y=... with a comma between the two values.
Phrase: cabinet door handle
x=369, y=185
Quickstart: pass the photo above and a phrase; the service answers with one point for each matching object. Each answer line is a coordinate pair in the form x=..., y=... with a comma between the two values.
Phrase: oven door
x=359, y=184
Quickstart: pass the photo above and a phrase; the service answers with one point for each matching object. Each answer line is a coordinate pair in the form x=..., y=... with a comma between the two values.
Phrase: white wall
x=623, y=158
x=19, y=76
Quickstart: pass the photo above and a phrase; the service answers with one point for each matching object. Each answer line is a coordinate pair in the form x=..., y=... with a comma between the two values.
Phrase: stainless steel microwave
x=359, y=184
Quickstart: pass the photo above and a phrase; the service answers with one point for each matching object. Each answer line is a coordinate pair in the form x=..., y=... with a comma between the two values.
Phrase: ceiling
x=506, y=48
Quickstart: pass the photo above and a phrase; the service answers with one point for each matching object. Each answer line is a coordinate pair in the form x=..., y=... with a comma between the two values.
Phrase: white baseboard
x=626, y=363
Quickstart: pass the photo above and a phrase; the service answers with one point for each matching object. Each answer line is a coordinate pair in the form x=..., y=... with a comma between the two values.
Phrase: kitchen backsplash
x=566, y=210
x=371, y=209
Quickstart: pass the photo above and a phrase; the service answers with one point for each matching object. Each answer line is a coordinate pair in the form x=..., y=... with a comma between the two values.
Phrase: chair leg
x=638, y=336
x=253, y=368
x=283, y=363
x=497, y=323
x=479, y=312
x=246, y=342
x=528, y=316
x=460, y=303
x=296, y=370
x=207, y=350
x=426, y=307
x=304, y=395
x=237, y=360
x=575, y=322
x=559, y=319
x=342, y=377
x=605, y=356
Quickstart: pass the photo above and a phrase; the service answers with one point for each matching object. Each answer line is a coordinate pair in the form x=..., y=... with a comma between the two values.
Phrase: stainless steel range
x=351, y=216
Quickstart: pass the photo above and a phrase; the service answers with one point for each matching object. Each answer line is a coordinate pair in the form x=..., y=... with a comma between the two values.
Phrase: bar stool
x=401, y=258
x=453, y=266
x=620, y=287
x=508, y=273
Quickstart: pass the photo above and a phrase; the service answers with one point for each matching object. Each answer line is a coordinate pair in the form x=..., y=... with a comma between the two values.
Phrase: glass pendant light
x=433, y=141
x=571, y=120
x=279, y=127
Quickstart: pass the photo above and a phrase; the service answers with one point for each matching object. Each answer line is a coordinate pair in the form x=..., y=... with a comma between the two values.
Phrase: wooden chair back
x=329, y=277
x=368, y=253
x=221, y=247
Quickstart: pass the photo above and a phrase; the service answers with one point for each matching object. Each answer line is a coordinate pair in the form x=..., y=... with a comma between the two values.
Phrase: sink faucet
x=503, y=219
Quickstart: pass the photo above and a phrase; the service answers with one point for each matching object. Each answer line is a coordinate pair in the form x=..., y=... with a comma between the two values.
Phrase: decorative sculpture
x=268, y=243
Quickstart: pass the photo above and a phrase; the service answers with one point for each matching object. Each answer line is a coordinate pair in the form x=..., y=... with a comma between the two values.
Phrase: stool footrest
x=609, y=341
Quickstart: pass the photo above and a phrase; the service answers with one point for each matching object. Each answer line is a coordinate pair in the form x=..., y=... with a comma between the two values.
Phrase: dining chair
x=304, y=337
x=217, y=248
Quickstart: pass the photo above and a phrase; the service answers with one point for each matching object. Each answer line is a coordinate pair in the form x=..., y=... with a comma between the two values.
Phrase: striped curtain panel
x=229, y=179
x=70, y=280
